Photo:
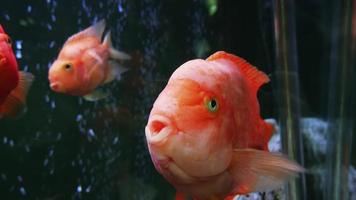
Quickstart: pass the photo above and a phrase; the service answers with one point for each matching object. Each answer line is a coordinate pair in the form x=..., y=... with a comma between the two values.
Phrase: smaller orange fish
x=85, y=63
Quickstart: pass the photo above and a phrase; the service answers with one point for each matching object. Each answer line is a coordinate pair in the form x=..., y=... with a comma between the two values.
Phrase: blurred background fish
x=85, y=62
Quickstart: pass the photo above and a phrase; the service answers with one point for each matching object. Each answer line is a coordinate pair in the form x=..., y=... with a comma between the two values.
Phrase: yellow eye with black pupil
x=212, y=105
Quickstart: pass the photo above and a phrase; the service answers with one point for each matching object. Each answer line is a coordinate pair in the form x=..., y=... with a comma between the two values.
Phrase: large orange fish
x=85, y=62
x=14, y=84
x=205, y=134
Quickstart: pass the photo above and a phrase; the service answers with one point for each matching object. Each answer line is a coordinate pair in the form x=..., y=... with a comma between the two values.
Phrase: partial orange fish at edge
x=14, y=84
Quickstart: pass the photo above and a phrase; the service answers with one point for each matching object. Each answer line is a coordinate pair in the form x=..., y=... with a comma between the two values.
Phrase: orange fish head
x=64, y=76
x=189, y=131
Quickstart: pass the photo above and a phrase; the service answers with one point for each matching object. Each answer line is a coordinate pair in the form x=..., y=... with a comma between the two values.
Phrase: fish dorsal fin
x=256, y=78
x=95, y=30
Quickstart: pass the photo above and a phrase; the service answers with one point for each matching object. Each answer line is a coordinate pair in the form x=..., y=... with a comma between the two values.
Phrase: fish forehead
x=206, y=73
x=217, y=77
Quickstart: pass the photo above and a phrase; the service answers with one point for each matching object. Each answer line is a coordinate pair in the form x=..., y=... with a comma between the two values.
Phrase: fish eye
x=212, y=105
x=68, y=67
x=8, y=40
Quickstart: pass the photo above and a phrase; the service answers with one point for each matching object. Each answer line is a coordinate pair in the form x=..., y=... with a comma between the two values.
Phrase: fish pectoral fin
x=96, y=95
x=113, y=53
x=256, y=170
x=15, y=104
x=115, y=71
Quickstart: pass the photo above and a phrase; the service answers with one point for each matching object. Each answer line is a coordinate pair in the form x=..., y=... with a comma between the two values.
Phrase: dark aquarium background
x=67, y=148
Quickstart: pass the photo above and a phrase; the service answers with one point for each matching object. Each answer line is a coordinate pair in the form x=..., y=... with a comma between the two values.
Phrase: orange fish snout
x=158, y=130
x=55, y=84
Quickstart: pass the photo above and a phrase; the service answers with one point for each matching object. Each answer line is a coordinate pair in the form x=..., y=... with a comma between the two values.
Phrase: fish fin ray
x=107, y=39
x=256, y=78
x=95, y=30
x=118, y=55
x=113, y=53
x=96, y=95
x=256, y=170
x=15, y=104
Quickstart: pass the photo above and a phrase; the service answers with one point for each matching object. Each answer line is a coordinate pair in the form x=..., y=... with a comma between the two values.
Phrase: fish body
x=85, y=62
x=205, y=134
x=14, y=84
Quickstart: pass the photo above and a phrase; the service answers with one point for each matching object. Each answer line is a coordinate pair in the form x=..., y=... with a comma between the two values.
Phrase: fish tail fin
x=115, y=68
x=114, y=54
x=15, y=104
x=255, y=170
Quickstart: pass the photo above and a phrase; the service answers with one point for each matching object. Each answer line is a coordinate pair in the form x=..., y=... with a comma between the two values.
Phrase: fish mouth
x=158, y=129
x=56, y=86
